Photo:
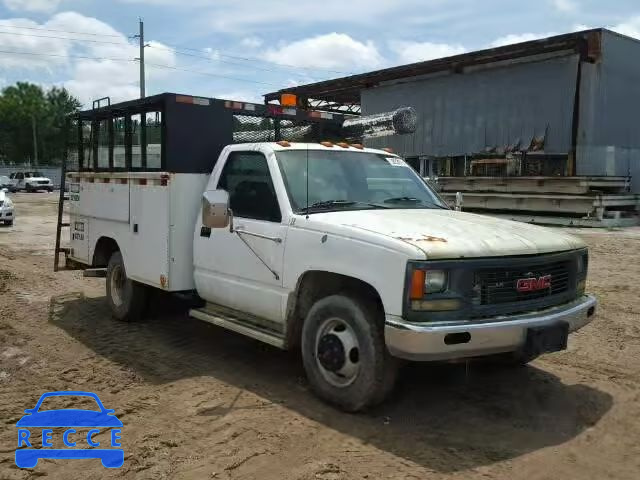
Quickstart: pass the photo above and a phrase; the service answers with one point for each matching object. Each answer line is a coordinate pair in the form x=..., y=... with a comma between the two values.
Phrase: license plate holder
x=547, y=339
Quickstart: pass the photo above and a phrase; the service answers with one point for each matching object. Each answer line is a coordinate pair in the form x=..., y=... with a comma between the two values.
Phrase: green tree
x=25, y=107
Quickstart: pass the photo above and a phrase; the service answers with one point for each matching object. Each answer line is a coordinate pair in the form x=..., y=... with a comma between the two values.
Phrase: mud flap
x=547, y=339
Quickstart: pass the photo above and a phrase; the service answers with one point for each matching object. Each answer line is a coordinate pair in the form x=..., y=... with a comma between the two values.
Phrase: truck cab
x=334, y=249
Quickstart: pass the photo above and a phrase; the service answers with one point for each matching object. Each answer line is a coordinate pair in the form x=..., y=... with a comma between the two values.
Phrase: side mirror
x=459, y=201
x=5, y=190
x=215, y=209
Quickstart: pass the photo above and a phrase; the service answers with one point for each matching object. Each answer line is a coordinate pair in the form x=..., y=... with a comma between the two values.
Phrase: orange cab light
x=288, y=100
x=417, y=284
x=343, y=144
x=388, y=150
x=359, y=146
x=327, y=144
x=283, y=143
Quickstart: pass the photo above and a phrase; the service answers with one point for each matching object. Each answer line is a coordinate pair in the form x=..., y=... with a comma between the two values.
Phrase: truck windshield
x=347, y=180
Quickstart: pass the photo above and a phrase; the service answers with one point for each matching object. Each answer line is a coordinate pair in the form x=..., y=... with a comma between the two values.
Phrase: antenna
x=307, y=209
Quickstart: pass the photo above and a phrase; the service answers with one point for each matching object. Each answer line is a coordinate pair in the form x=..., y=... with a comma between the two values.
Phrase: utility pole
x=140, y=37
x=35, y=139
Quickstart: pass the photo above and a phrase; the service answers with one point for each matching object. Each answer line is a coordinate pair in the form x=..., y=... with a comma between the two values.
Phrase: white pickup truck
x=340, y=251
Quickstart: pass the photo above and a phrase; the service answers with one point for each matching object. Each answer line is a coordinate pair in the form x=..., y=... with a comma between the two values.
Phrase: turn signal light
x=417, y=284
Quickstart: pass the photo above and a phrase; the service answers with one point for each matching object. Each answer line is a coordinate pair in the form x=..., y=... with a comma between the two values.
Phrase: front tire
x=344, y=353
x=127, y=299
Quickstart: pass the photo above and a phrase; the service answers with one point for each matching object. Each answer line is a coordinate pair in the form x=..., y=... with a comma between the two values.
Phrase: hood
x=443, y=234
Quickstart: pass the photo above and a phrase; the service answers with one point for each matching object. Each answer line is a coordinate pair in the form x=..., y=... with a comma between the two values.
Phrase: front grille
x=43, y=182
x=494, y=286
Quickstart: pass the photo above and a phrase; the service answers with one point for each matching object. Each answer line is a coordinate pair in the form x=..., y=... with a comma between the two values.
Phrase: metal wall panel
x=494, y=107
x=609, y=126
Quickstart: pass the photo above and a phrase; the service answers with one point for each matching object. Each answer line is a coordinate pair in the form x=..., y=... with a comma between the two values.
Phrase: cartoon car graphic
x=68, y=418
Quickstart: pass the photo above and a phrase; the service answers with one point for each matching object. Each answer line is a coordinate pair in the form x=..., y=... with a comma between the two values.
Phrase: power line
x=254, y=59
x=211, y=59
x=67, y=56
x=61, y=31
x=217, y=75
x=63, y=38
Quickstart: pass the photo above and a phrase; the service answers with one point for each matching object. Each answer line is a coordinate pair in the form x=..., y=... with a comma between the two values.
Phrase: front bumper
x=422, y=342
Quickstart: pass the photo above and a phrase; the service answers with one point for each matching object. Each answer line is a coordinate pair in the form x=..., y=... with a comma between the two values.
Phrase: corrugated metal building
x=566, y=105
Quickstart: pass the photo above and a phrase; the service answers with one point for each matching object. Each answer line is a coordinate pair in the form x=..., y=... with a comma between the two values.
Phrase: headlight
x=583, y=265
x=7, y=203
x=435, y=281
x=427, y=281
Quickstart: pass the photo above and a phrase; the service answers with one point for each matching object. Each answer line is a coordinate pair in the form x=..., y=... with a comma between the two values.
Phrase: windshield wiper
x=333, y=204
x=413, y=200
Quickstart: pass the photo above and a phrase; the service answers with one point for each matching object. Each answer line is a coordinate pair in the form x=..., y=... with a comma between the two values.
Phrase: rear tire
x=344, y=353
x=127, y=299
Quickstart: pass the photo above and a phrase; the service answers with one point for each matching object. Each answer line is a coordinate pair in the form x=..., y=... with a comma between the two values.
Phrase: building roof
x=345, y=91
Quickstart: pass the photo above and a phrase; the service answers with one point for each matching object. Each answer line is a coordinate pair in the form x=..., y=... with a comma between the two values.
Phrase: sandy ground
x=199, y=402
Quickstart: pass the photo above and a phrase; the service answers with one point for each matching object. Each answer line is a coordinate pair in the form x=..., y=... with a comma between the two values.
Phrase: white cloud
x=518, y=38
x=240, y=96
x=109, y=73
x=45, y=6
x=567, y=6
x=330, y=51
x=411, y=52
x=252, y=42
x=630, y=28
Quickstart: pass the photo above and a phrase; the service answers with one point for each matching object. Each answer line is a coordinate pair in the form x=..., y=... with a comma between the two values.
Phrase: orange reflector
x=359, y=146
x=288, y=100
x=343, y=144
x=387, y=149
x=327, y=144
x=417, y=284
x=283, y=143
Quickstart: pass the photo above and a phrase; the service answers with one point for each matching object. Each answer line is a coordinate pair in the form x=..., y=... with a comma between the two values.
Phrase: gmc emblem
x=533, y=284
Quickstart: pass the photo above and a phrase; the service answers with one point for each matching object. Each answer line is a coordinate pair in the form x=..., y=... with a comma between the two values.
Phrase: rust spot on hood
x=422, y=238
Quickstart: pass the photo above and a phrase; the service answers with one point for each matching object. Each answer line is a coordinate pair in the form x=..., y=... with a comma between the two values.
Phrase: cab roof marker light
x=387, y=149
x=359, y=146
x=343, y=144
x=327, y=144
x=250, y=106
x=283, y=143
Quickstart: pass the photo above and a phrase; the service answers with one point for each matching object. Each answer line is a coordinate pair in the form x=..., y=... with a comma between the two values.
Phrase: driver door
x=242, y=270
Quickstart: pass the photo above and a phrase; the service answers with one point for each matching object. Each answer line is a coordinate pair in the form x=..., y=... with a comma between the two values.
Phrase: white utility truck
x=341, y=251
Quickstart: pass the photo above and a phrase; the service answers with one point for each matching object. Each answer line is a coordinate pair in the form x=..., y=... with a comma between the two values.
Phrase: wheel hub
x=331, y=352
x=337, y=352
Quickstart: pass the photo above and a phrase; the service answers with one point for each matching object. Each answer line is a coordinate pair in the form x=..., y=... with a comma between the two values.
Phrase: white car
x=6, y=208
x=30, y=181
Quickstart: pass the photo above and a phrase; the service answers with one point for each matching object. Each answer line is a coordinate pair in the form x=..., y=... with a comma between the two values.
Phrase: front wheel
x=344, y=354
x=127, y=299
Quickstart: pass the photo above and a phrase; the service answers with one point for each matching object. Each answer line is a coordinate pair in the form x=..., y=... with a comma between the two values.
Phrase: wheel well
x=104, y=249
x=313, y=286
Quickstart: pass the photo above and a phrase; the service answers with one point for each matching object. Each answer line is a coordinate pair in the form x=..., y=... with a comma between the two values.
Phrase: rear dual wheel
x=127, y=298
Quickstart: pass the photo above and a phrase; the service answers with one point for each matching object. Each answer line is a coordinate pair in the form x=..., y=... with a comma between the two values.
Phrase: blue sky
x=243, y=48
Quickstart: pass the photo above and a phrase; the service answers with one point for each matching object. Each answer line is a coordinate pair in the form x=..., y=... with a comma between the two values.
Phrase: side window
x=153, y=140
x=20, y=176
x=251, y=194
x=119, y=136
x=12, y=176
x=136, y=141
x=103, y=144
